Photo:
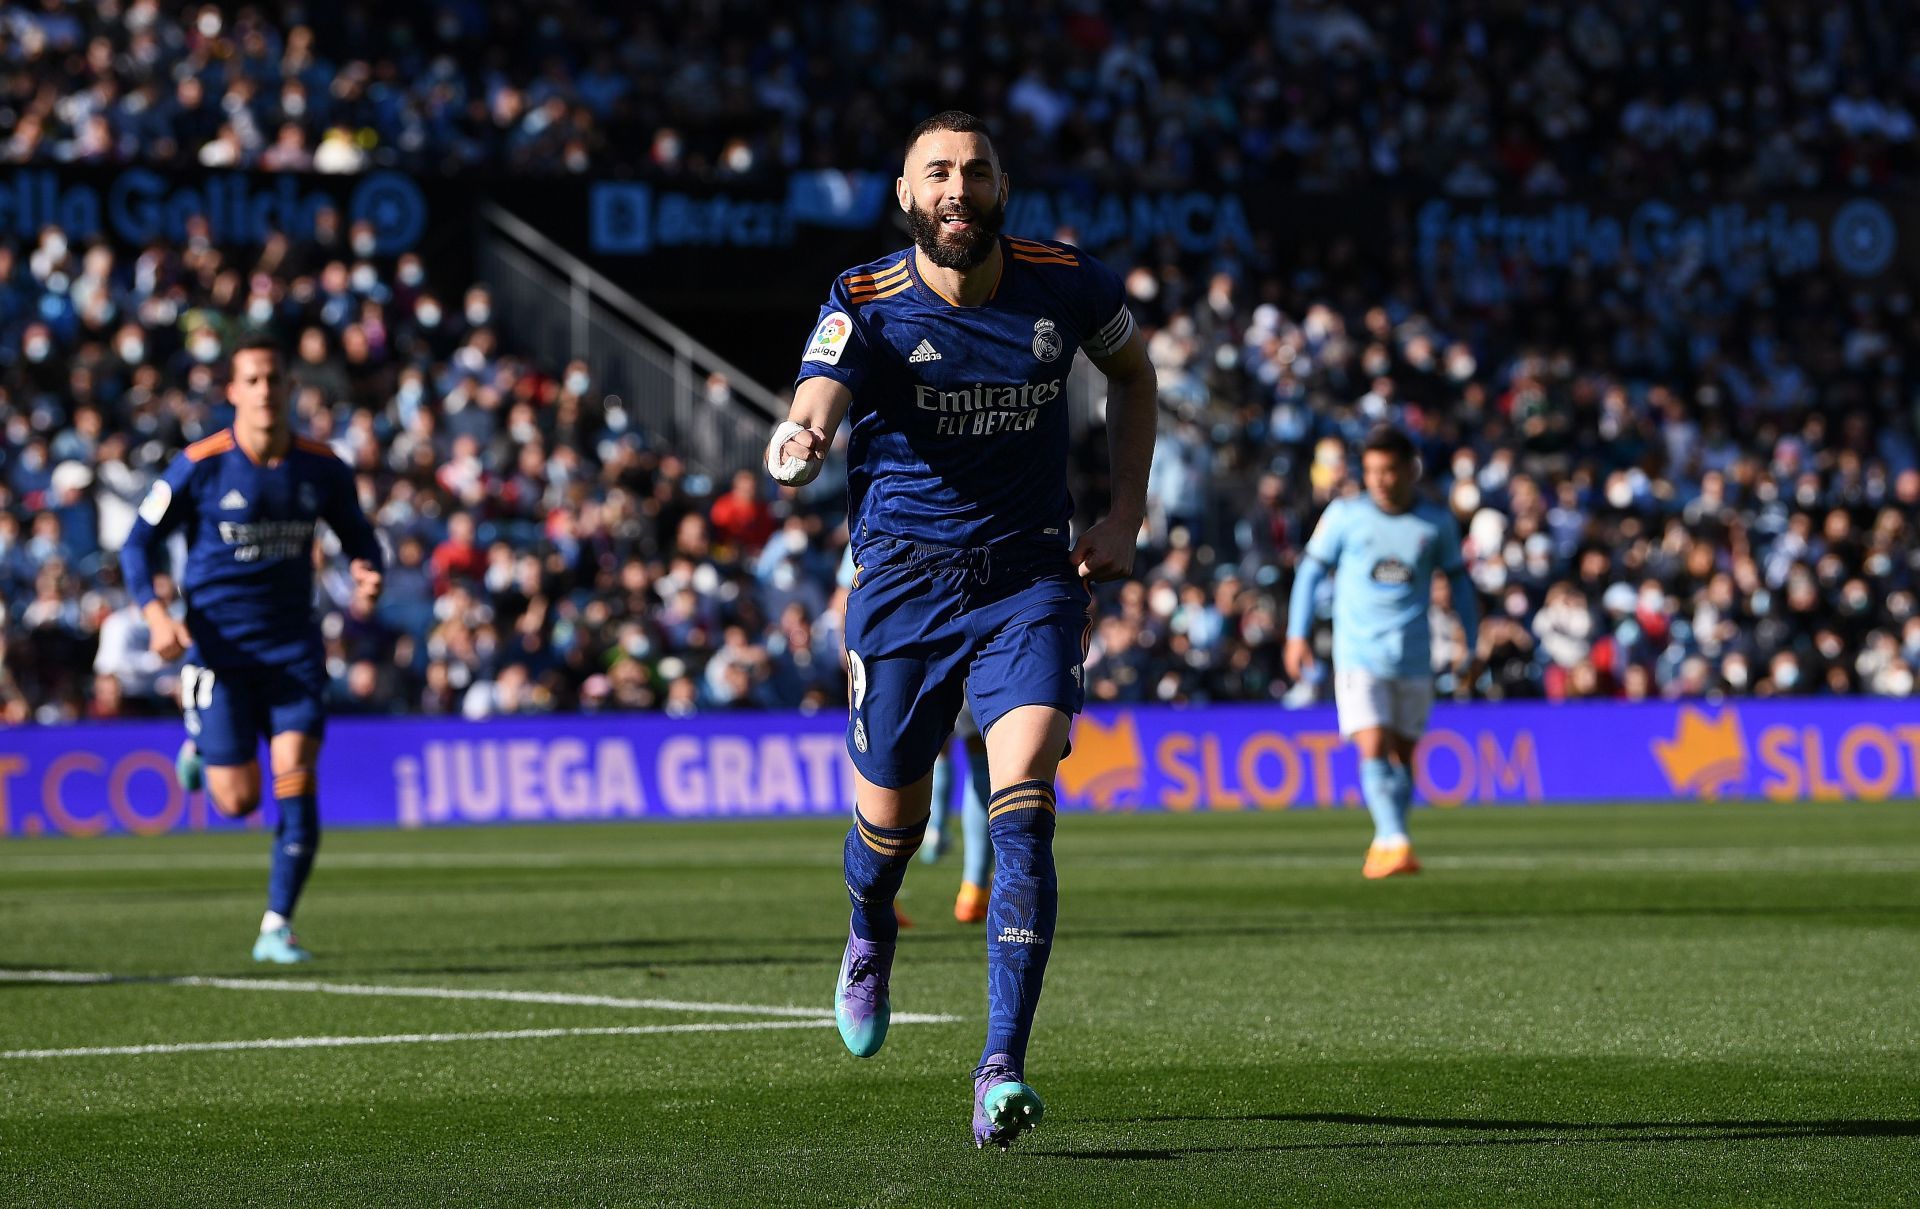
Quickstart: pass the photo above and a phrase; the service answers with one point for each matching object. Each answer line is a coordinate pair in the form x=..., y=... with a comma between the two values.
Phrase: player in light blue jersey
x=1382, y=549
x=950, y=359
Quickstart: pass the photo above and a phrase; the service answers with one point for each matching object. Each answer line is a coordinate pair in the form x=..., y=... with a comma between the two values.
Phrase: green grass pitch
x=1688, y=1005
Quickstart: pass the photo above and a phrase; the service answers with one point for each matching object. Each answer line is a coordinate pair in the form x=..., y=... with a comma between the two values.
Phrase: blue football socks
x=1020, y=914
x=1378, y=785
x=295, y=840
x=876, y=860
x=977, y=858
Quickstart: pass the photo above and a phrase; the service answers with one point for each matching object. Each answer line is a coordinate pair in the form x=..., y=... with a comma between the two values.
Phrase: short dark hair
x=957, y=120
x=1385, y=438
x=258, y=342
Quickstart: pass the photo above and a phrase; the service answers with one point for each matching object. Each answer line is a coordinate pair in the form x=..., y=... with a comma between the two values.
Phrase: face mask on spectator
x=260, y=310
x=364, y=279
x=411, y=274
x=578, y=382
x=204, y=347
x=428, y=314
x=37, y=348
x=132, y=351
x=1787, y=676
x=478, y=313
x=364, y=244
x=55, y=246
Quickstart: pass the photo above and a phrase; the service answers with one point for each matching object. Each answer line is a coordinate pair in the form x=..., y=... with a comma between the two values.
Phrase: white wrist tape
x=794, y=472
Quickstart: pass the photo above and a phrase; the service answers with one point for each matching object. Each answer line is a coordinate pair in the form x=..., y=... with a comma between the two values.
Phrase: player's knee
x=235, y=802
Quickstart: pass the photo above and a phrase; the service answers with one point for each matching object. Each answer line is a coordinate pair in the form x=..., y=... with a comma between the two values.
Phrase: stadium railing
x=559, y=308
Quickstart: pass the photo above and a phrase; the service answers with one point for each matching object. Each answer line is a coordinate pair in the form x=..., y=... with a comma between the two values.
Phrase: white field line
x=522, y=1034
x=562, y=998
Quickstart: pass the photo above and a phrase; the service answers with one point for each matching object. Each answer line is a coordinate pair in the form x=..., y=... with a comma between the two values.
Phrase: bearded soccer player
x=1383, y=549
x=246, y=499
x=949, y=358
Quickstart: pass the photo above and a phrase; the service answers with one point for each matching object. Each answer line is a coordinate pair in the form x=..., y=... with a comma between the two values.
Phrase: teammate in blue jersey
x=949, y=359
x=246, y=499
x=1382, y=549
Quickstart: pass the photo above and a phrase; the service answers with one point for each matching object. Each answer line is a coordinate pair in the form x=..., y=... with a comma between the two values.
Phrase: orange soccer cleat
x=1385, y=860
x=970, y=906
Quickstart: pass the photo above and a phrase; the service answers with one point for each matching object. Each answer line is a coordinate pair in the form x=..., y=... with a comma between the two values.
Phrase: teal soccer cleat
x=1004, y=1107
x=860, y=1005
x=188, y=767
x=279, y=946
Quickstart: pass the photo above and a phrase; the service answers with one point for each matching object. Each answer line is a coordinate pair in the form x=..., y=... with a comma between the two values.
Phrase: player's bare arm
x=1105, y=551
x=798, y=448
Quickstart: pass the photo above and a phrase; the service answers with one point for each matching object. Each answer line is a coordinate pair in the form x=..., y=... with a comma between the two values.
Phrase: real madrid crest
x=1046, y=341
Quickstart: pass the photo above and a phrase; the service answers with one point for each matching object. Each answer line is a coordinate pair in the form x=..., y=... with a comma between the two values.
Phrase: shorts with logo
x=931, y=626
x=229, y=710
x=1397, y=703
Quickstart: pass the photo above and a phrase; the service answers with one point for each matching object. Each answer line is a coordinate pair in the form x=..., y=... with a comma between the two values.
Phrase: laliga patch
x=829, y=339
x=153, y=509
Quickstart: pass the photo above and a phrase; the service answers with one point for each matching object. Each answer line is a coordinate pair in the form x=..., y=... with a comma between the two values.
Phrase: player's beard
x=958, y=250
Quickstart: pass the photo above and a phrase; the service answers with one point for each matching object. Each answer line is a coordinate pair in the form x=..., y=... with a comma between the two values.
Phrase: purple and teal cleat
x=1003, y=1106
x=860, y=1005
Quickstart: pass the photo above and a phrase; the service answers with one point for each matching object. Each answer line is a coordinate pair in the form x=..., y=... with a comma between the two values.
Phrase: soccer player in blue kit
x=247, y=498
x=950, y=359
x=1383, y=548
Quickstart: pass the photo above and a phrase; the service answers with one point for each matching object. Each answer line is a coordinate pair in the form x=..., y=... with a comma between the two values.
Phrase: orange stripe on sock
x=885, y=845
x=1026, y=799
x=293, y=784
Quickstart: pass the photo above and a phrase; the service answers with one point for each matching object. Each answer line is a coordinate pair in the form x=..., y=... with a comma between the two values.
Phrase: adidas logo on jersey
x=233, y=501
x=923, y=353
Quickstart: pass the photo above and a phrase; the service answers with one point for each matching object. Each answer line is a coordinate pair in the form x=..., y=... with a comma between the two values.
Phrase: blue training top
x=248, y=581
x=959, y=432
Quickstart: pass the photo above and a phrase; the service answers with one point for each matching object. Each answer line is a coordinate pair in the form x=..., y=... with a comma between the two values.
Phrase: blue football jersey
x=248, y=582
x=1383, y=566
x=959, y=429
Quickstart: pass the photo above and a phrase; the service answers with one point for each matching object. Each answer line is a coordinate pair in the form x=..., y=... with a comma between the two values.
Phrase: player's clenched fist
x=167, y=634
x=1105, y=551
x=366, y=582
x=796, y=453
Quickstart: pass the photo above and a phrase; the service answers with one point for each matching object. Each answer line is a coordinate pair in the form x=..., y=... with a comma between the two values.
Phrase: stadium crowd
x=1674, y=480
x=1650, y=507
x=1471, y=99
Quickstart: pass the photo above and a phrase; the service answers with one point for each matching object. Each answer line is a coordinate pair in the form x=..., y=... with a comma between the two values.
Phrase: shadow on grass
x=1551, y=1133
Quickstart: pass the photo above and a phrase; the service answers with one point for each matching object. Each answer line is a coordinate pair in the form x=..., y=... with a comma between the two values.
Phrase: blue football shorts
x=229, y=710
x=929, y=626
